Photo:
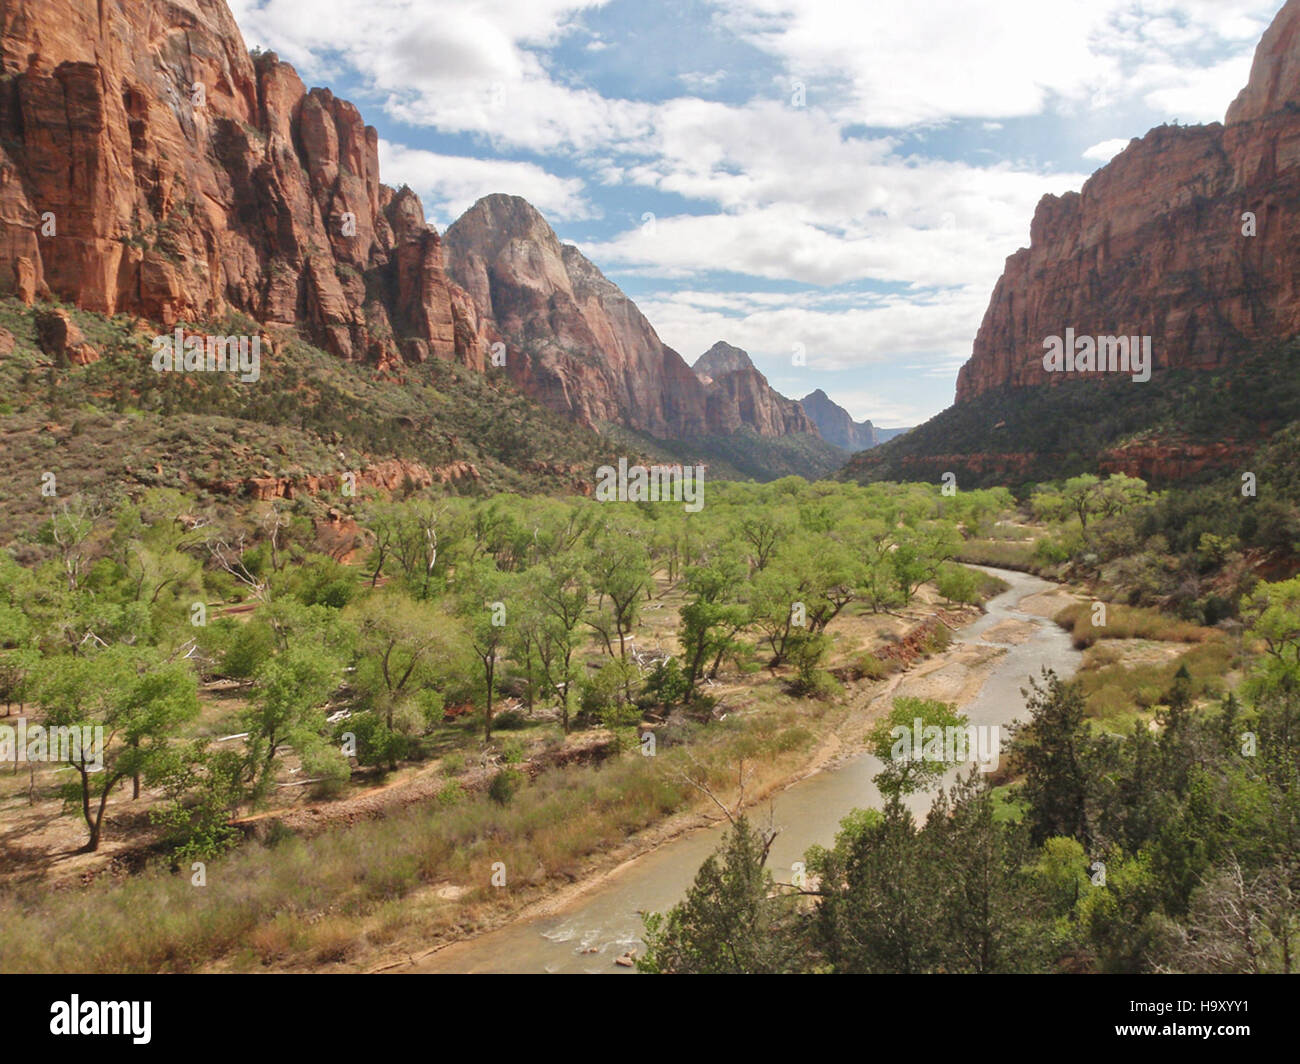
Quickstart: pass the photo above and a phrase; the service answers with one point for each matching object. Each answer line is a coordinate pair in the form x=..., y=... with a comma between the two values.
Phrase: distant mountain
x=1186, y=239
x=740, y=397
x=838, y=427
x=835, y=424
x=885, y=435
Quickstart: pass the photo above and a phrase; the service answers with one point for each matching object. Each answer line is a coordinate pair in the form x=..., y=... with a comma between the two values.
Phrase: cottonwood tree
x=561, y=597
x=139, y=703
x=404, y=647
x=485, y=597
x=287, y=708
x=618, y=564
x=713, y=617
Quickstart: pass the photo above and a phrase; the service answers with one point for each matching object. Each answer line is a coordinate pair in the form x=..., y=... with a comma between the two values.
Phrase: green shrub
x=505, y=785
x=956, y=583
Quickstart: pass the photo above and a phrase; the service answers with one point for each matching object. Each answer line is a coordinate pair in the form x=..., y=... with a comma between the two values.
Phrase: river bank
x=585, y=925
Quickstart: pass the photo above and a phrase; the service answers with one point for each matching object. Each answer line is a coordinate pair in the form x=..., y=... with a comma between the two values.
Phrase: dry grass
x=311, y=902
x=1127, y=622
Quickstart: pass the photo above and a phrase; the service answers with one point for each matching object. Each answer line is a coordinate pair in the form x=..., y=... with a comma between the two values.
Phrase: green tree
x=404, y=649
x=137, y=701
x=727, y=924
x=1052, y=748
x=290, y=693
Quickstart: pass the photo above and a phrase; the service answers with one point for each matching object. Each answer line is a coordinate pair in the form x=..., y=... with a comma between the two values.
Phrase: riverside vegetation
x=266, y=672
x=501, y=652
x=1147, y=817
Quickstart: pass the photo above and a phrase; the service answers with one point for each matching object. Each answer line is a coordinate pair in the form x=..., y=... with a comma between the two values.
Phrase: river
x=607, y=919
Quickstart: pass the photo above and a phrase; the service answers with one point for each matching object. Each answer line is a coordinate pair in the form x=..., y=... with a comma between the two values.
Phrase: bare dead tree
x=733, y=813
x=230, y=558
x=71, y=526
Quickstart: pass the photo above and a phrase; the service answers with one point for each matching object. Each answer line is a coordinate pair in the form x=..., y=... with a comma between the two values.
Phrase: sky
x=832, y=185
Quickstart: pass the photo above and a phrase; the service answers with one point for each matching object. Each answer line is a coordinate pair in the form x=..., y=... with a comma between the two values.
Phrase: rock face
x=1165, y=461
x=835, y=424
x=1154, y=245
x=575, y=342
x=59, y=336
x=739, y=396
x=149, y=165
x=721, y=359
x=572, y=340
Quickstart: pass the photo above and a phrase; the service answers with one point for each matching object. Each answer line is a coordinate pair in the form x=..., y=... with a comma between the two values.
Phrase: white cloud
x=448, y=184
x=1200, y=95
x=1106, y=150
x=882, y=329
x=899, y=63
x=698, y=82
x=455, y=66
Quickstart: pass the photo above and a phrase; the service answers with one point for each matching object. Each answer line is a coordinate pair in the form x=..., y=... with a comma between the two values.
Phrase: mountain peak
x=722, y=358
x=835, y=424
x=1275, y=73
x=505, y=217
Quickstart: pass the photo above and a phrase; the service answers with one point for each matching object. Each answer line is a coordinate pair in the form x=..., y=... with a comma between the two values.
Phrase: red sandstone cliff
x=739, y=395
x=1154, y=244
x=149, y=165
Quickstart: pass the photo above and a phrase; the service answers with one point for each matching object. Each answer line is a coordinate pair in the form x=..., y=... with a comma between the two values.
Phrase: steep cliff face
x=1155, y=243
x=149, y=165
x=739, y=396
x=835, y=424
x=572, y=339
x=578, y=344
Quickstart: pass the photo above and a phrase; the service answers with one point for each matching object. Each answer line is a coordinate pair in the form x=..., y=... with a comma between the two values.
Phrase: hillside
x=115, y=425
x=1186, y=238
x=1184, y=424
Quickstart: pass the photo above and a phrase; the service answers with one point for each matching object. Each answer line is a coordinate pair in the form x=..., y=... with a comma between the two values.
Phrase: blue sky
x=834, y=180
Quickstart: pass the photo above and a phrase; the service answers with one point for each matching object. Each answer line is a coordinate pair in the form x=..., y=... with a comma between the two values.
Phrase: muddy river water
x=606, y=921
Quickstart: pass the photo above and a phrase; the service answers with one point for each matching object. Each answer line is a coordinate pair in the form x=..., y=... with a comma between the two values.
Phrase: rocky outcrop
x=738, y=396
x=1156, y=243
x=572, y=339
x=1164, y=461
x=60, y=337
x=835, y=424
x=149, y=165
x=389, y=476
